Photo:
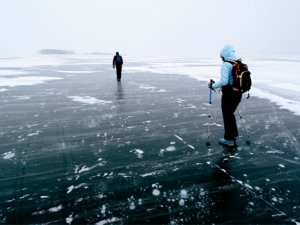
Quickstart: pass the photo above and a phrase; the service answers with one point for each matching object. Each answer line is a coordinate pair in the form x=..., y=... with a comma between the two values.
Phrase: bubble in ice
x=181, y=202
x=131, y=206
x=172, y=222
x=156, y=192
x=183, y=194
x=103, y=209
x=140, y=201
x=257, y=188
x=156, y=186
x=170, y=148
x=202, y=192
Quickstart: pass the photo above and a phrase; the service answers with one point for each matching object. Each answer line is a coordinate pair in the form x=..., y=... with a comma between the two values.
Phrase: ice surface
x=86, y=149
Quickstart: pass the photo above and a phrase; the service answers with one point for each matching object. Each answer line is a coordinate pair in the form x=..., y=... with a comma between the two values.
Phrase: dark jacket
x=117, y=63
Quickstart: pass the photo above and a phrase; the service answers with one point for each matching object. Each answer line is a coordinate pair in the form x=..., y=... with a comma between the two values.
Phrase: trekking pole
x=248, y=141
x=209, y=116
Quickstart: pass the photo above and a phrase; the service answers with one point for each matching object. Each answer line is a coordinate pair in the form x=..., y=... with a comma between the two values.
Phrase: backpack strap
x=233, y=61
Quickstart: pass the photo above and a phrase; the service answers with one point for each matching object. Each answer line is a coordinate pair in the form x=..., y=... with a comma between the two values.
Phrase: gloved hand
x=211, y=82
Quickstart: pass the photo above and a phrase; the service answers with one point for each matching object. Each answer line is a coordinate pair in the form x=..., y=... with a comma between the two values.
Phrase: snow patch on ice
x=108, y=221
x=139, y=153
x=191, y=106
x=34, y=134
x=75, y=71
x=297, y=223
x=284, y=103
x=8, y=155
x=71, y=188
x=44, y=196
x=286, y=86
x=11, y=72
x=84, y=169
x=56, y=208
x=89, y=100
x=248, y=186
x=191, y=146
x=23, y=97
x=150, y=174
x=266, y=73
x=274, y=152
x=69, y=219
x=148, y=121
x=179, y=138
x=213, y=124
x=151, y=88
x=39, y=212
x=25, y=81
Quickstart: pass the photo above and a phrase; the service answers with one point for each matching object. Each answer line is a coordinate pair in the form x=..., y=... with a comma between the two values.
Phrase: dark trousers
x=119, y=71
x=229, y=103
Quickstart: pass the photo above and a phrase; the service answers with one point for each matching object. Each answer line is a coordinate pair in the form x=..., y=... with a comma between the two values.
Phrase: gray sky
x=150, y=27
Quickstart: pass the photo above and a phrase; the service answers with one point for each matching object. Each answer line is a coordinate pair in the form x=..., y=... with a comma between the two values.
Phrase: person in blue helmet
x=230, y=98
x=118, y=62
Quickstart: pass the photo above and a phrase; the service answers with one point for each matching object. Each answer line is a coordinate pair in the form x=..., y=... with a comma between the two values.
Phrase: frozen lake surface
x=79, y=148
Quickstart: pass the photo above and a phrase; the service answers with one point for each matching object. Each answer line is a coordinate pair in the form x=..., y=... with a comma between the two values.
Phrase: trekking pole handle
x=210, y=90
x=211, y=82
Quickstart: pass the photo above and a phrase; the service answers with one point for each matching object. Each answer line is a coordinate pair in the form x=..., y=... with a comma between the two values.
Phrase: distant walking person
x=230, y=97
x=118, y=62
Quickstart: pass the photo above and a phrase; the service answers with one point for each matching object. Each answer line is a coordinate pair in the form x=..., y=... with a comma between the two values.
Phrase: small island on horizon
x=55, y=51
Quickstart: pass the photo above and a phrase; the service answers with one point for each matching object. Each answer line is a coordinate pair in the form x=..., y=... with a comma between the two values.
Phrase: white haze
x=184, y=28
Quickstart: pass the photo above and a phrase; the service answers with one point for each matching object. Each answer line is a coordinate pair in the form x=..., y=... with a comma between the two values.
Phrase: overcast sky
x=150, y=27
